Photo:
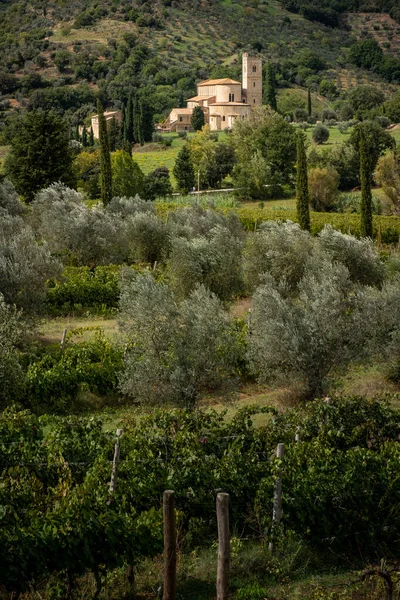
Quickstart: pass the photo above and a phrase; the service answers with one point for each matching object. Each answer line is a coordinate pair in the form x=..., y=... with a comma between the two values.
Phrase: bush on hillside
x=323, y=189
x=320, y=134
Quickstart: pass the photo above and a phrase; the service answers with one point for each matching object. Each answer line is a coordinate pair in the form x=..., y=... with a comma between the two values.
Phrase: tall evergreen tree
x=197, y=121
x=270, y=88
x=84, y=137
x=105, y=158
x=40, y=153
x=137, y=121
x=302, y=197
x=91, y=137
x=114, y=135
x=309, y=103
x=147, y=121
x=366, y=185
x=184, y=171
x=77, y=137
x=122, y=124
x=129, y=122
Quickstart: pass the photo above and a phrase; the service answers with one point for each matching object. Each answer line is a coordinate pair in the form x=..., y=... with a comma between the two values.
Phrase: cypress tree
x=129, y=122
x=137, y=121
x=77, y=136
x=270, y=88
x=105, y=158
x=184, y=171
x=197, y=121
x=122, y=125
x=366, y=185
x=84, y=137
x=113, y=135
x=147, y=121
x=302, y=197
x=91, y=137
x=309, y=103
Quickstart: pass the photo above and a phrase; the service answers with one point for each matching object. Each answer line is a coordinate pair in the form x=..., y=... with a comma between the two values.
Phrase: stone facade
x=114, y=114
x=222, y=100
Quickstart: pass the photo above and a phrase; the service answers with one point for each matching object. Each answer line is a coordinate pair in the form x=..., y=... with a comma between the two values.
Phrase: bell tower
x=252, y=79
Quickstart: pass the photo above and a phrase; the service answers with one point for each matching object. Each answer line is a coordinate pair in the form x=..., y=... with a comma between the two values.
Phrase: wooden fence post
x=223, y=546
x=277, y=510
x=113, y=482
x=64, y=335
x=169, y=545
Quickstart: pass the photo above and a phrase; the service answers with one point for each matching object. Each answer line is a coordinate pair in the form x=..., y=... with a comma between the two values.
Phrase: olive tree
x=359, y=256
x=174, y=350
x=148, y=237
x=79, y=234
x=196, y=221
x=280, y=249
x=214, y=261
x=307, y=338
x=9, y=201
x=25, y=265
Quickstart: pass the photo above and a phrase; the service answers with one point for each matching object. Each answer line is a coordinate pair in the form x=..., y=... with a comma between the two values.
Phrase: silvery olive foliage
x=125, y=207
x=280, y=249
x=175, y=350
x=79, y=234
x=126, y=230
x=149, y=237
x=25, y=265
x=196, y=221
x=307, y=337
x=11, y=375
x=9, y=201
x=213, y=261
x=359, y=256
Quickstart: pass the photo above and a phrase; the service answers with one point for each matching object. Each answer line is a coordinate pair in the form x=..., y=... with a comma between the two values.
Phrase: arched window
x=254, y=69
x=254, y=84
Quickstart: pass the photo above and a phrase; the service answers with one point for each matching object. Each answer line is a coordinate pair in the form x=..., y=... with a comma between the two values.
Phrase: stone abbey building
x=222, y=100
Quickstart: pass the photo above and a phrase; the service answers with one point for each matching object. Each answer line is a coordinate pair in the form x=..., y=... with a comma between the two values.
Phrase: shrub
x=81, y=289
x=175, y=351
x=54, y=382
x=320, y=134
x=157, y=184
x=323, y=188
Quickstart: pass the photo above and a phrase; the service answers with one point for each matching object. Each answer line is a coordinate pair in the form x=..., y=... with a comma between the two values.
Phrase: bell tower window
x=254, y=69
